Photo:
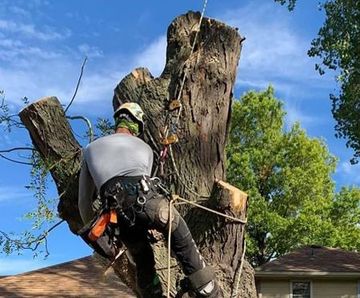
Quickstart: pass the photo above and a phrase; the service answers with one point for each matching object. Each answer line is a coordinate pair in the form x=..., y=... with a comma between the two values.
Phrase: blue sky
x=43, y=43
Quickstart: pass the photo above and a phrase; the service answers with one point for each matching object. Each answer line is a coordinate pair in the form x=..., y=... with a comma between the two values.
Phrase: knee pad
x=162, y=216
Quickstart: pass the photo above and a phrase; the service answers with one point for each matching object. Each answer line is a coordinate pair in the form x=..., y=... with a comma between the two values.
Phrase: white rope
x=185, y=72
x=237, y=276
x=169, y=251
x=242, y=221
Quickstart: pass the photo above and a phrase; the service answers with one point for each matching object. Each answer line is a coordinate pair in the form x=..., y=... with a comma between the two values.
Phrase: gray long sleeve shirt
x=118, y=154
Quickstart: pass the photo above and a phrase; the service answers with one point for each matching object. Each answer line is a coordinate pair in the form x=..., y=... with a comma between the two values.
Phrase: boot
x=210, y=290
x=152, y=290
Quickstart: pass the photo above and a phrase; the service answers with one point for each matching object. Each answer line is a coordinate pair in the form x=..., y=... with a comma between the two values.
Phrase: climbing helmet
x=132, y=109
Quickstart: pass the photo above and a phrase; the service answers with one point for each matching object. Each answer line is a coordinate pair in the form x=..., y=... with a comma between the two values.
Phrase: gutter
x=318, y=274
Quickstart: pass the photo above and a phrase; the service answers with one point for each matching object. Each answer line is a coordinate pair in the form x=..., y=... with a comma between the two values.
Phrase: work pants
x=154, y=215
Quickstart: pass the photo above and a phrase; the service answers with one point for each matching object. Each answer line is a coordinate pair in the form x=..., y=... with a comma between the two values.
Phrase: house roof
x=314, y=260
x=79, y=278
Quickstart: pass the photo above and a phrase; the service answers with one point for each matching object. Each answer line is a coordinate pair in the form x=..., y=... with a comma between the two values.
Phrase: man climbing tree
x=119, y=166
x=193, y=164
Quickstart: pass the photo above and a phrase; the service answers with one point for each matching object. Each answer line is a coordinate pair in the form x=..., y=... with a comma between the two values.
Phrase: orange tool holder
x=99, y=228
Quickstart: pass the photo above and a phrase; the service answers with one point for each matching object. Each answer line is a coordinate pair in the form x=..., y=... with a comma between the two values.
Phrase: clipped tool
x=174, y=105
x=170, y=140
x=100, y=225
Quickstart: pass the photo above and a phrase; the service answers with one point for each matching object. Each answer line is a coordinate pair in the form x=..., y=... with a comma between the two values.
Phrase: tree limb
x=77, y=85
x=16, y=161
x=28, y=245
x=17, y=149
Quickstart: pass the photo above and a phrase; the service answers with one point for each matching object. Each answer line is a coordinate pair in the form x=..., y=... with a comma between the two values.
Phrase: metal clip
x=144, y=185
x=141, y=200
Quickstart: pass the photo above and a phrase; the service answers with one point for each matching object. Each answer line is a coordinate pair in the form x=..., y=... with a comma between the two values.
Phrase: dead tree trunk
x=195, y=161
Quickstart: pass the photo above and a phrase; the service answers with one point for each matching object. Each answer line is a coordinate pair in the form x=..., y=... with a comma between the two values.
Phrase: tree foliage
x=345, y=214
x=290, y=3
x=288, y=177
x=338, y=46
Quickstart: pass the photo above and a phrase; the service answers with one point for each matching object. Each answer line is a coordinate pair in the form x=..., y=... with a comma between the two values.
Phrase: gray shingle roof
x=79, y=278
x=315, y=259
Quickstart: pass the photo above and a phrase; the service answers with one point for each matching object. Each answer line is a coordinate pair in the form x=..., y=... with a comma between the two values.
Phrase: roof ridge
x=53, y=266
x=315, y=258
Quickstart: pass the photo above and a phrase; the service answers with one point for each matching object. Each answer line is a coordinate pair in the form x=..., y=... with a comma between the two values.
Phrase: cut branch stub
x=52, y=137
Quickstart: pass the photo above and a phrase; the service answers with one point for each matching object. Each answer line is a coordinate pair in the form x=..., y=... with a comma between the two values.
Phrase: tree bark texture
x=192, y=164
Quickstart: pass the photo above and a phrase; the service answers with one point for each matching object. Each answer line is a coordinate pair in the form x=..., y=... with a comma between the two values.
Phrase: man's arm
x=86, y=193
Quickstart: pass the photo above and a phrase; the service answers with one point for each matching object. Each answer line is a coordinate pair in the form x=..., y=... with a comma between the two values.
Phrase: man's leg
x=201, y=278
x=136, y=241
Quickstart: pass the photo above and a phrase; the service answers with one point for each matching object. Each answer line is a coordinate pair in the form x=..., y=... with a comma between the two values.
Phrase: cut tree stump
x=195, y=163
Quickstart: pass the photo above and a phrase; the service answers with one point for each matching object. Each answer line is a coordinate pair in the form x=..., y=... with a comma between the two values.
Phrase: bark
x=52, y=136
x=196, y=160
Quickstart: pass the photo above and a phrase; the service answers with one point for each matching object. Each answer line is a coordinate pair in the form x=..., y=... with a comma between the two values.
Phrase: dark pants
x=155, y=216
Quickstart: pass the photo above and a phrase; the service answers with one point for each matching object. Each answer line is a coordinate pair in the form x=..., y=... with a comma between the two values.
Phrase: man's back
x=118, y=154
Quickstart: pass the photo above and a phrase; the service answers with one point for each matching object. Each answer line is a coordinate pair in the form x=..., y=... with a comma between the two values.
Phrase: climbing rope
x=237, y=276
x=185, y=72
x=171, y=202
x=173, y=126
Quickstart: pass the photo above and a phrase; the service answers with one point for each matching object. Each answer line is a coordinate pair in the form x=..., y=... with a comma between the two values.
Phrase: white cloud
x=294, y=114
x=30, y=31
x=90, y=51
x=98, y=87
x=273, y=51
x=13, y=265
x=350, y=172
x=19, y=11
x=153, y=57
x=58, y=78
x=39, y=72
x=18, y=53
x=12, y=194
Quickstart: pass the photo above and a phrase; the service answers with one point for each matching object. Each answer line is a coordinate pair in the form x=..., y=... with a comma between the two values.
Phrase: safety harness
x=120, y=199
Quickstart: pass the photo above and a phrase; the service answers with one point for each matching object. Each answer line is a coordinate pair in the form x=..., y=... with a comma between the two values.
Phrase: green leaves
x=337, y=45
x=288, y=177
x=345, y=214
x=290, y=3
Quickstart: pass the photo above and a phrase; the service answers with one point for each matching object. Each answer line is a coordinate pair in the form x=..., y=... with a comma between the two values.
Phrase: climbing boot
x=210, y=290
x=152, y=290
x=200, y=284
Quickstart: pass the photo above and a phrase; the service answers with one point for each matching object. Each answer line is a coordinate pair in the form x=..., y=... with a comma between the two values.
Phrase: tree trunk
x=193, y=164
